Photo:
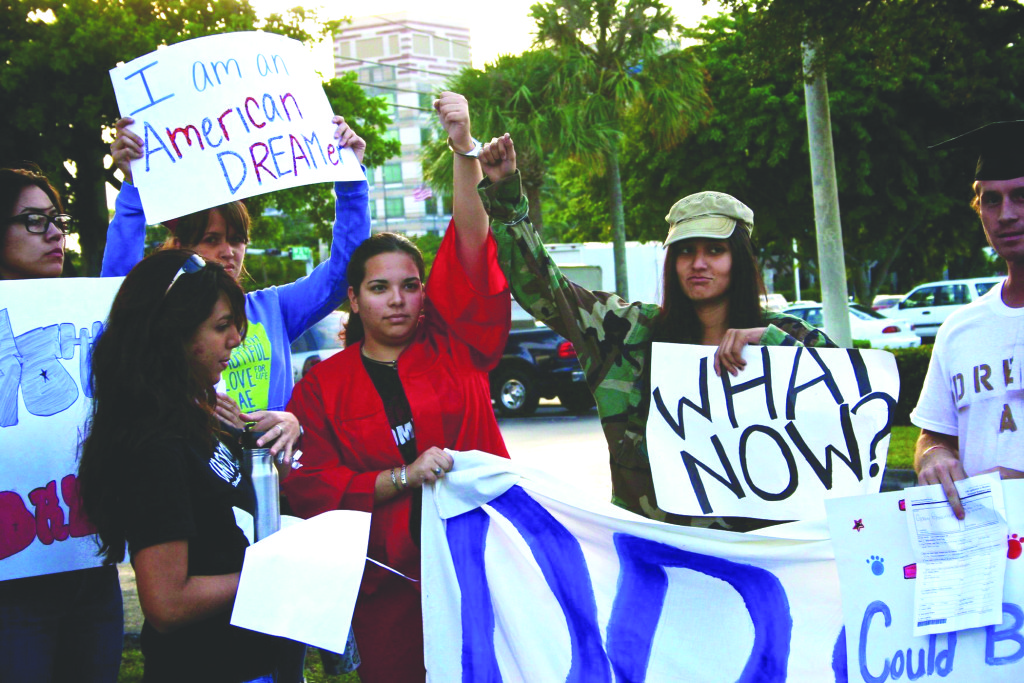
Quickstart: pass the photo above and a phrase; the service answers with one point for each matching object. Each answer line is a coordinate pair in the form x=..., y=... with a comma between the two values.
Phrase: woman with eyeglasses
x=160, y=473
x=69, y=625
x=410, y=383
x=259, y=381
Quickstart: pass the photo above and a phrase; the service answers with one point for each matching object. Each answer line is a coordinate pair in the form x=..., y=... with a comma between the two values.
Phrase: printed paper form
x=961, y=564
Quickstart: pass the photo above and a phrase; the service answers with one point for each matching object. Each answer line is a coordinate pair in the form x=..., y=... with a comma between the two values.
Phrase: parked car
x=881, y=332
x=318, y=343
x=927, y=306
x=884, y=301
x=775, y=302
x=538, y=363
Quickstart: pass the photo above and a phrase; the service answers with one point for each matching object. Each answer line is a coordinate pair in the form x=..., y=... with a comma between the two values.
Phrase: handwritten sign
x=877, y=575
x=526, y=579
x=227, y=117
x=47, y=329
x=796, y=426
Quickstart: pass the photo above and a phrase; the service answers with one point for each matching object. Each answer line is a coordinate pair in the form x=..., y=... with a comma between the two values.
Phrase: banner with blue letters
x=227, y=117
x=877, y=570
x=47, y=330
x=526, y=579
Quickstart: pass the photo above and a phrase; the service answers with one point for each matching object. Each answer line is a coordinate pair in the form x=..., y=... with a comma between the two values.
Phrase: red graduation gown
x=348, y=441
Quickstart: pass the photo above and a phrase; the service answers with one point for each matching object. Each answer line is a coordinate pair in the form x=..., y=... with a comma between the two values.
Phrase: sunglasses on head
x=193, y=264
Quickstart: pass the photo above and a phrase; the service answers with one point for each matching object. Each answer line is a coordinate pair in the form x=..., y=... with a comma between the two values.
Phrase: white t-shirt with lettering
x=973, y=389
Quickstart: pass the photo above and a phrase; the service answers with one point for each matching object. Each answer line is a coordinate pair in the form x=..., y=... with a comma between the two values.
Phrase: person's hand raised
x=498, y=159
x=125, y=147
x=453, y=111
x=347, y=137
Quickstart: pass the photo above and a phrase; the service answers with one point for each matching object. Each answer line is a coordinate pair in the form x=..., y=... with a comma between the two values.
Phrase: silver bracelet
x=405, y=482
x=932, y=448
x=394, y=481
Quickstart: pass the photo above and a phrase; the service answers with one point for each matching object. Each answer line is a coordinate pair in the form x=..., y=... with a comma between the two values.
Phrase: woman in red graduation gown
x=412, y=382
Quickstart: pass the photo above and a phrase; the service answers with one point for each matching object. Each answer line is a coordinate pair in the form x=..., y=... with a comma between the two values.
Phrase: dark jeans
x=61, y=627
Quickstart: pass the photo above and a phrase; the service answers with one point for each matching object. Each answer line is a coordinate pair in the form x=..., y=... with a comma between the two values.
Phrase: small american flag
x=422, y=193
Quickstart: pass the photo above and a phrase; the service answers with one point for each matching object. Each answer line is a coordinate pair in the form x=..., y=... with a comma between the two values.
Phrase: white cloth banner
x=47, y=328
x=227, y=117
x=796, y=426
x=876, y=565
x=527, y=580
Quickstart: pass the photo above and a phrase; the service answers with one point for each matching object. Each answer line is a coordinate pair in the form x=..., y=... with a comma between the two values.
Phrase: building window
x=370, y=176
x=368, y=48
x=394, y=207
x=442, y=47
x=430, y=206
x=373, y=209
x=446, y=205
x=344, y=48
x=426, y=100
x=393, y=45
x=392, y=174
x=460, y=52
x=421, y=44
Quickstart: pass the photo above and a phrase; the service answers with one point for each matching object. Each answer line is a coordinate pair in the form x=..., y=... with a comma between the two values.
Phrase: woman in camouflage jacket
x=712, y=288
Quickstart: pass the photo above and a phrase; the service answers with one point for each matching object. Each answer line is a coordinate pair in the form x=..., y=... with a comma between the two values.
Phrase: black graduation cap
x=1000, y=146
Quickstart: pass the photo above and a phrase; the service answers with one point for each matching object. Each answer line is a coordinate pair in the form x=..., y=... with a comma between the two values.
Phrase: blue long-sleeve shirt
x=259, y=376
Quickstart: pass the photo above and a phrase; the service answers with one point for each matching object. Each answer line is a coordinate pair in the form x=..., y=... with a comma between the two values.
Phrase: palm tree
x=615, y=63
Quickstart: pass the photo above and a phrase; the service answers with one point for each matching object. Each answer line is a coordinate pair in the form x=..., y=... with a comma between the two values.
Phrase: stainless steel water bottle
x=267, y=519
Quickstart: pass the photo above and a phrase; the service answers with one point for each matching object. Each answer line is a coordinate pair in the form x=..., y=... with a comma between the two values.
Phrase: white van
x=927, y=306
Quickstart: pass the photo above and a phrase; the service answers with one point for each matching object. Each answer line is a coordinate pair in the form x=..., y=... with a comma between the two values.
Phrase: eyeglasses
x=39, y=223
x=193, y=264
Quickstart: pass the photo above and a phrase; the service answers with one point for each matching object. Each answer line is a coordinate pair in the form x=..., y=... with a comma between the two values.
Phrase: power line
x=388, y=87
x=393, y=66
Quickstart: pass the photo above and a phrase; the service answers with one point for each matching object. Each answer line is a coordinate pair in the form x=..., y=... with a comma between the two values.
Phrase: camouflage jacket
x=612, y=338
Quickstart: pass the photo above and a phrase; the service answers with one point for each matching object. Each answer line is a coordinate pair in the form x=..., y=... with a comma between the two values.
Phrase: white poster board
x=795, y=427
x=47, y=328
x=526, y=579
x=227, y=117
x=877, y=575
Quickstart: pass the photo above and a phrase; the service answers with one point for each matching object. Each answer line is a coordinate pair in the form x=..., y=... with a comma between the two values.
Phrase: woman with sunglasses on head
x=68, y=625
x=712, y=291
x=411, y=382
x=277, y=315
x=160, y=473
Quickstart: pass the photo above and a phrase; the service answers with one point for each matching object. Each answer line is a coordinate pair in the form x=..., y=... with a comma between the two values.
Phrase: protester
x=712, y=295
x=69, y=625
x=411, y=382
x=971, y=403
x=161, y=473
x=277, y=315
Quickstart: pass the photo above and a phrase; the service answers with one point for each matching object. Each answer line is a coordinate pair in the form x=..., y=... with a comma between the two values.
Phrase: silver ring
x=437, y=471
x=280, y=428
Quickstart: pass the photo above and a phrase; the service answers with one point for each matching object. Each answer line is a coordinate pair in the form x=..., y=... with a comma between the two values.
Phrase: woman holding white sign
x=259, y=379
x=160, y=473
x=411, y=383
x=68, y=625
x=712, y=296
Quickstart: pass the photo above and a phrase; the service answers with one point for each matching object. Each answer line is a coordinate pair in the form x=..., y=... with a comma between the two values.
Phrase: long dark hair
x=678, y=321
x=12, y=182
x=143, y=384
x=381, y=243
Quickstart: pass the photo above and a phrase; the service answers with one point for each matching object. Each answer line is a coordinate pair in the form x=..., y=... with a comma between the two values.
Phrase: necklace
x=393, y=364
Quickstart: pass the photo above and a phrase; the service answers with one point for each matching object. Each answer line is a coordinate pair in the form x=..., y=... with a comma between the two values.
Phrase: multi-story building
x=406, y=60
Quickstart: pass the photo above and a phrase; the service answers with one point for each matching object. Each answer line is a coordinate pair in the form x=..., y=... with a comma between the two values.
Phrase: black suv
x=538, y=363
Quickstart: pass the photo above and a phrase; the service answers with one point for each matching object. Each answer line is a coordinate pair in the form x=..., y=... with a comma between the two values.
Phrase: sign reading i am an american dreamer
x=796, y=426
x=227, y=117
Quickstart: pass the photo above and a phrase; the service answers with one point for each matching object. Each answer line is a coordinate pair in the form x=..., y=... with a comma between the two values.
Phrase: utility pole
x=831, y=256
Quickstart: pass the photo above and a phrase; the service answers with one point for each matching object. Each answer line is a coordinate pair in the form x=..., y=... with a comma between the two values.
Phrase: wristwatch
x=473, y=153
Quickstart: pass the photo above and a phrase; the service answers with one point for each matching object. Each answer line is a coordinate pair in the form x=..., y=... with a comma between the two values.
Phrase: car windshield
x=323, y=335
x=865, y=313
x=983, y=287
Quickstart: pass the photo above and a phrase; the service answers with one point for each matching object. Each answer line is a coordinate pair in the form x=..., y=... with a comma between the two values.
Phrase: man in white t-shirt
x=971, y=409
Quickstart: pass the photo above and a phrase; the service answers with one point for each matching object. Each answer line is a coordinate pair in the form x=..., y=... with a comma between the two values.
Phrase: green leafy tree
x=905, y=208
x=615, y=65
x=506, y=97
x=57, y=93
